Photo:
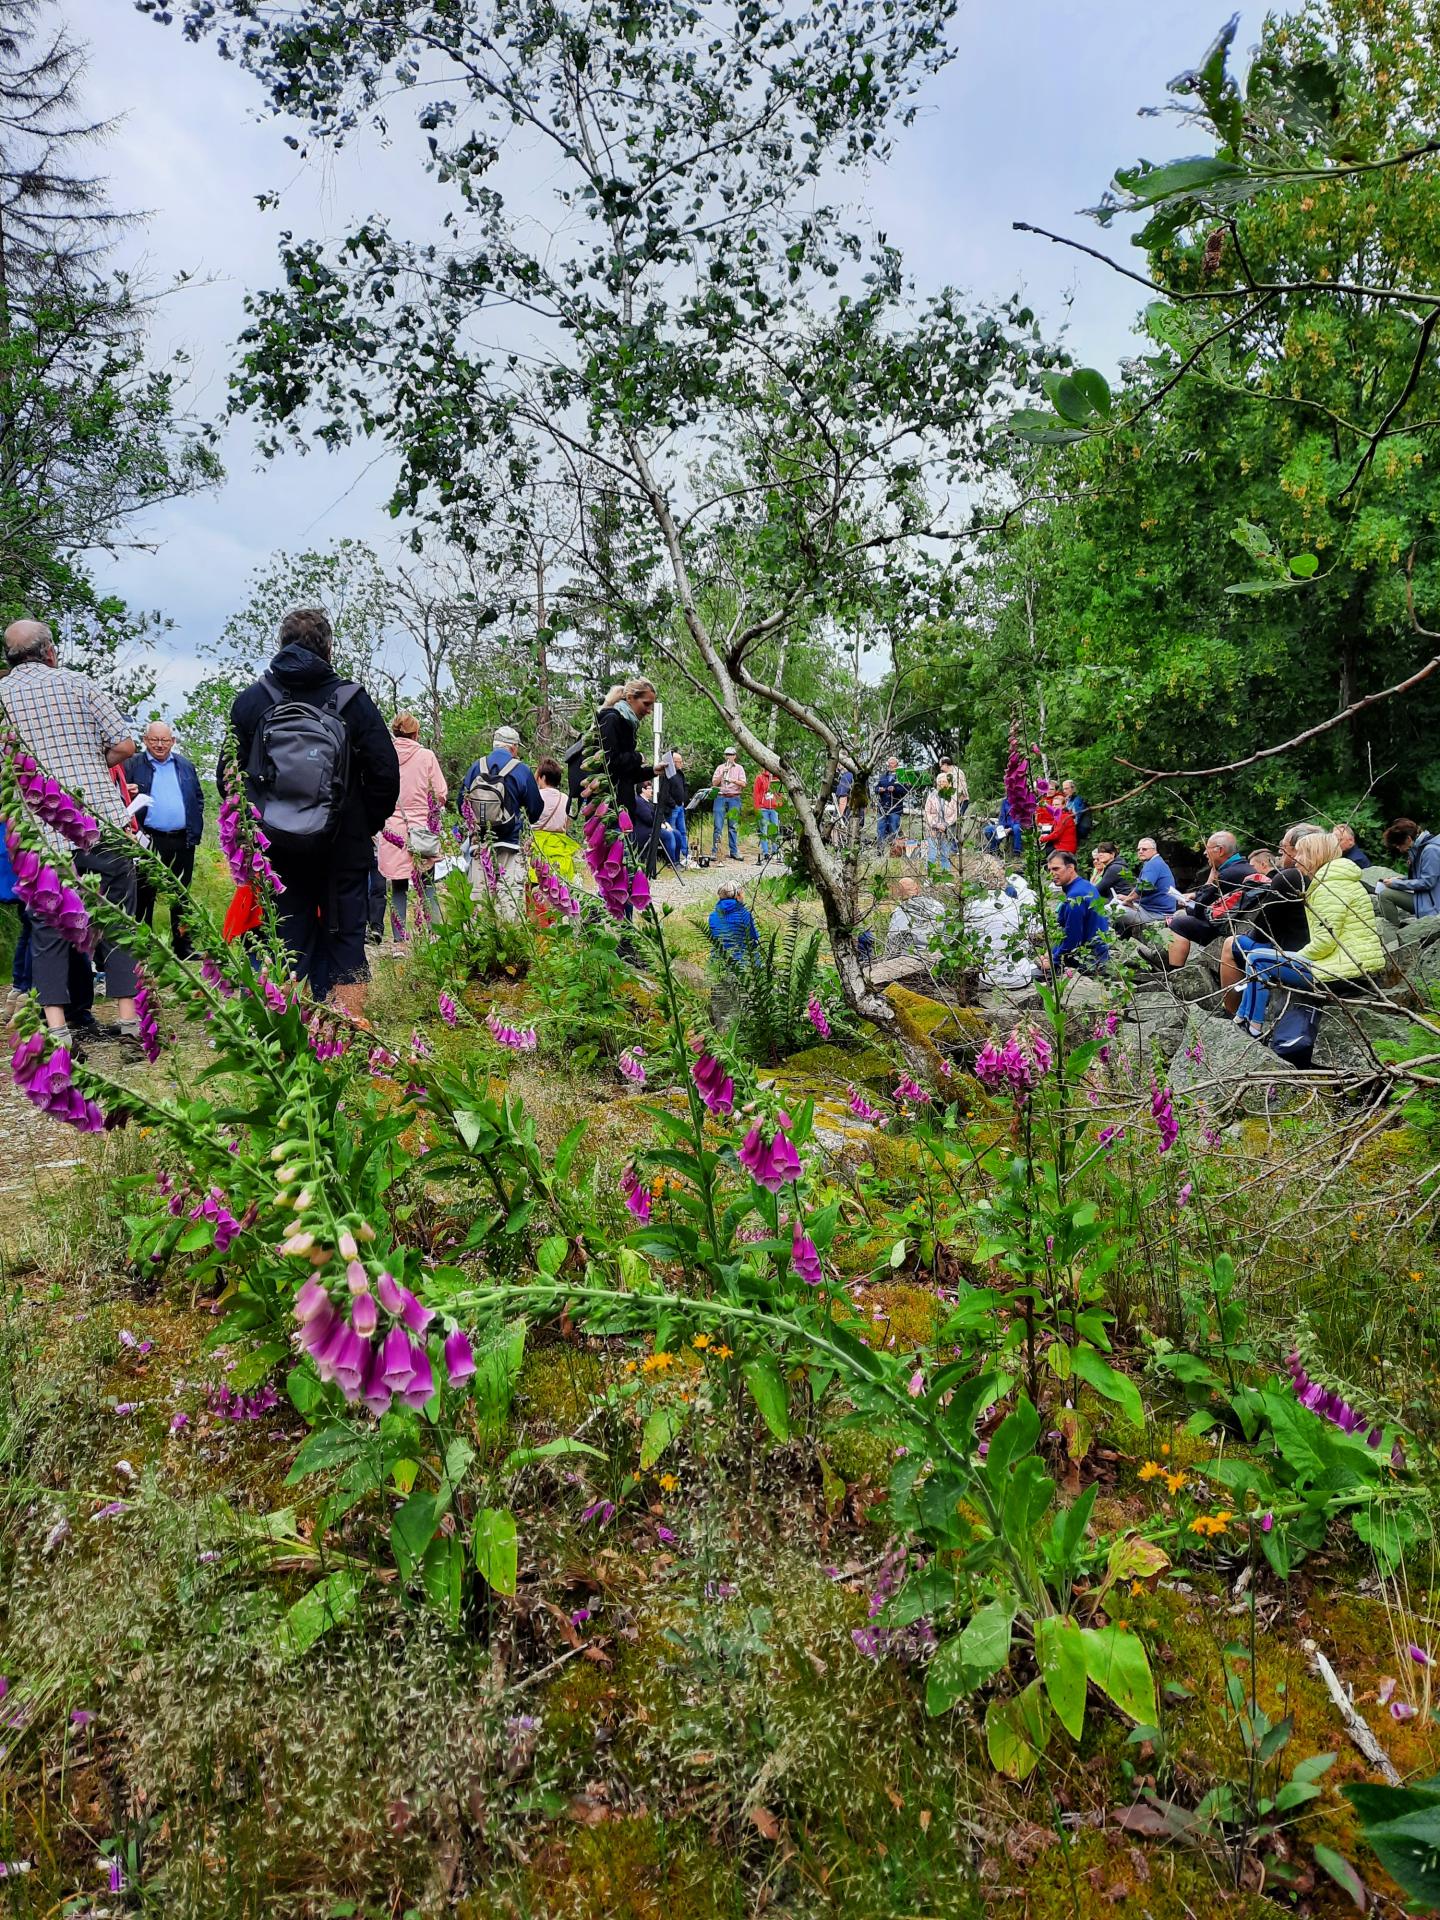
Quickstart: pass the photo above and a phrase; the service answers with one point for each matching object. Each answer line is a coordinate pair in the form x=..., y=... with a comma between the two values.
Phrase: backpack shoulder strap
x=509, y=767
x=276, y=693
x=339, y=697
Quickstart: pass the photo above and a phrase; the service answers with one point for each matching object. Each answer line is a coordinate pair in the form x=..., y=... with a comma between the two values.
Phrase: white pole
x=659, y=719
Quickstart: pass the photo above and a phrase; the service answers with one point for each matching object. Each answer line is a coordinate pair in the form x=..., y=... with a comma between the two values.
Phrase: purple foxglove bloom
x=715, y=1087
x=392, y=1295
x=815, y=1014
x=449, y=1012
x=364, y=1316
x=459, y=1357
x=862, y=1108
x=805, y=1258
x=311, y=1301
x=399, y=1360
x=770, y=1163
x=1163, y=1113
x=637, y=1195
x=421, y=1390
x=1018, y=791
x=375, y=1392
x=416, y=1317
x=351, y=1363
x=334, y=1348
x=632, y=1065
x=1418, y=1655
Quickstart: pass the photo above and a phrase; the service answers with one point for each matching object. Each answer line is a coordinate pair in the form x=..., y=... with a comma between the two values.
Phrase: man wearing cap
x=728, y=781
x=502, y=771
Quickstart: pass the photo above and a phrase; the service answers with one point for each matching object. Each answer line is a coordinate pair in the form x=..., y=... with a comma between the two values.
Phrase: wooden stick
x=1357, y=1729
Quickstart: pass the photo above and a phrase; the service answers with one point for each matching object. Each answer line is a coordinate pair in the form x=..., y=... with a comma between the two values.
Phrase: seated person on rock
x=733, y=932
x=1152, y=898
x=997, y=924
x=1350, y=847
x=1262, y=860
x=915, y=923
x=1192, y=925
x=1344, y=947
x=1109, y=872
x=1275, y=902
x=1083, y=925
x=1417, y=896
x=649, y=825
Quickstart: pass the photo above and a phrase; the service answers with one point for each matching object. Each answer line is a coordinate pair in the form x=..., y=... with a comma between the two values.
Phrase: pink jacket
x=420, y=776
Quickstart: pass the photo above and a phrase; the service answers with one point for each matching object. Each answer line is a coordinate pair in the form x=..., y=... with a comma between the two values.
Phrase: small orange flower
x=656, y=1362
x=1174, y=1482
x=701, y=1340
x=722, y=1352
x=1165, y=1448
x=668, y=1483
x=1151, y=1470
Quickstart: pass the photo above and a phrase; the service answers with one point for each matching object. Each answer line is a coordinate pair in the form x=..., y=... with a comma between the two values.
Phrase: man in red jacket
x=767, y=797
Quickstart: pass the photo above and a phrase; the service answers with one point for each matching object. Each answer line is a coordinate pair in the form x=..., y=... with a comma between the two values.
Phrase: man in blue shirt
x=173, y=822
x=891, y=796
x=1083, y=925
x=1153, y=898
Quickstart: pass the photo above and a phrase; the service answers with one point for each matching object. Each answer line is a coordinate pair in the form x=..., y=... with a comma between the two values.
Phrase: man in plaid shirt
x=77, y=733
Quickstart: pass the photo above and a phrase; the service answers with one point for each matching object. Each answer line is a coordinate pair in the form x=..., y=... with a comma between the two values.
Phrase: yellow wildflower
x=701, y=1340
x=722, y=1352
x=1165, y=1449
x=656, y=1362
x=1174, y=1482
x=1151, y=1470
x=668, y=1483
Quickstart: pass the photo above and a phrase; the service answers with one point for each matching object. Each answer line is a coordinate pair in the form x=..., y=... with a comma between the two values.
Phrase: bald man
x=174, y=821
x=77, y=734
x=1192, y=926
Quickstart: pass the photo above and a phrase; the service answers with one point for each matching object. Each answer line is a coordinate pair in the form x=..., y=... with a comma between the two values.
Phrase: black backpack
x=1292, y=1038
x=298, y=772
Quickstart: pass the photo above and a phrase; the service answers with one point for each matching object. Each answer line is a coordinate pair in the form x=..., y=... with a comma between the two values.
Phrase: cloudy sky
x=1028, y=122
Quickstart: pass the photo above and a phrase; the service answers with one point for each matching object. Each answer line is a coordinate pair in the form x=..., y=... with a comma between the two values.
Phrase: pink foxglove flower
x=449, y=1012
x=772, y=1163
x=815, y=1013
x=714, y=1085
x=632, y=1064
x=637, y=1194
x=1163, y=1113
x=805, y=1257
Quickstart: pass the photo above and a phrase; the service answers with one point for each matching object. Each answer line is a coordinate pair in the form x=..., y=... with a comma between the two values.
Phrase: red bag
x=1221, y=909
x=243, y=914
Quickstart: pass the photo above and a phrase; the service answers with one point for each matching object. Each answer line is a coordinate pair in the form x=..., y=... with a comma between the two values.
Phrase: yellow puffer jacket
x=1344, y=939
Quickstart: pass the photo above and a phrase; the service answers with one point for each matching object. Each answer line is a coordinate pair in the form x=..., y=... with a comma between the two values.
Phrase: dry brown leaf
x=765, y=1823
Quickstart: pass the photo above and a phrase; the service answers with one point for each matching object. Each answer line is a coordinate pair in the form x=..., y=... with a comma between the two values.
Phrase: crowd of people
x=352, y=811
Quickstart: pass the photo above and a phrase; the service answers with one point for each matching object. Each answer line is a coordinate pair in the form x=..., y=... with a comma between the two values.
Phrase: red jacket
x=762, y=794
x=1057, y=828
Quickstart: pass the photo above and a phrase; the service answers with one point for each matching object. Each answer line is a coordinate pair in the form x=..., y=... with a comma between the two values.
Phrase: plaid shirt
x=68, y=723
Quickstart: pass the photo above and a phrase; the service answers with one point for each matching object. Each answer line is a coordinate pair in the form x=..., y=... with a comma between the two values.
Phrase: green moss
x=860, y=1453
x=622, y=1867
x=558, y=1385
x=835, y=1068
x=1106, y=1873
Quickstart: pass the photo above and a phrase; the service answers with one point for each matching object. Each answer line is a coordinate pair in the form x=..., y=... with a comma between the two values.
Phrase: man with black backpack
x=319, y=766
x=497, y=791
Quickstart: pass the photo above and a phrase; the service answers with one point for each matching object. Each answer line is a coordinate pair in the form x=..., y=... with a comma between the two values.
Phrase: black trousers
x=322, y=915
x=175, y=852
x=50, y=952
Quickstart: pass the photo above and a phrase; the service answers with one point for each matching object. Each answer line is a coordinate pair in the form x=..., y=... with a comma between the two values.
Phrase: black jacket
x=1114, y=877
x=624, y=763
x=674, y=792
x=1234, y=873
x=374, y=769
x=1280, y=908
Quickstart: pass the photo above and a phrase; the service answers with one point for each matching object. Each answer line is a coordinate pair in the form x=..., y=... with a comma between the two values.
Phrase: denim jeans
x=888, y=829
x=727, y=814
x=1266, y=967
x=769, y=825
x=939, y=848
x=680, y=831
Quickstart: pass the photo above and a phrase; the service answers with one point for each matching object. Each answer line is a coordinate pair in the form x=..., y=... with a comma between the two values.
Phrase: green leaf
x=441, y=1574
x=252, y=1368
x=1110, y=1384
x=550, y=1450
x=972, y=1657
x=202, y=1234
x=1402, y=1826
x=329, y=1446
x=1343, y=1874
x=1119, y=1666
x=1304, y=565
x=660, y=1429
x=497, y=1549
x=1061, y=1655
x=767, y=1389
x=1017, y=1732
x=1094, y=388
x=412, y=1530
x=550, y=1254
x=327, y=1603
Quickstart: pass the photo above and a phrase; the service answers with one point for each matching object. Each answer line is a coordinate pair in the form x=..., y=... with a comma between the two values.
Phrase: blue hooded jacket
x=733, y=929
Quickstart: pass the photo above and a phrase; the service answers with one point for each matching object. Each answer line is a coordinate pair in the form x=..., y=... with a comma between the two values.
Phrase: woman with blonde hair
x=409, y=843
x=621, y=713
x=1344, y=945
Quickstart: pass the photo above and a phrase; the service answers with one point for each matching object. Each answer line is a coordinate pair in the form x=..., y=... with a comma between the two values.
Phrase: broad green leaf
x=441, y=1574
x=327, y=1603
x=1402, y=1826
x=1067, y=1531
x=1060, y=1652
x=412, y=1530
x=202, y=1234
x=660, y=1429
x=497, y=1548
x=1304, y=565
x=550, y=1254
x=1017, y=1731
x=1117, y=1663
x=252, y=1368
x=1112, y=1385
x=328, y=1446
x=1343, y=1874
x=1095, y=388
x=972, y=1657
x=767, y=1389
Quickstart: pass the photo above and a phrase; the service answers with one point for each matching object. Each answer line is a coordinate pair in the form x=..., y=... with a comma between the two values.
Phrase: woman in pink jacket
x=410, y=841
